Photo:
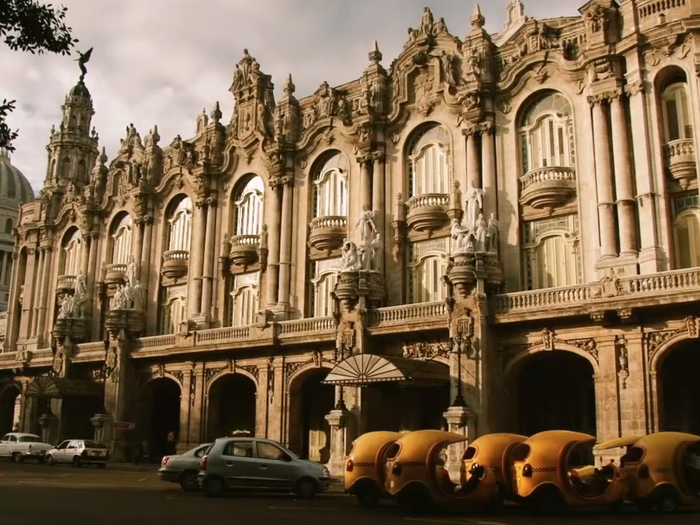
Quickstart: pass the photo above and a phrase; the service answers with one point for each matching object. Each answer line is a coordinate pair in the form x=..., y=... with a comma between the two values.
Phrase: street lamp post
x=456, y=342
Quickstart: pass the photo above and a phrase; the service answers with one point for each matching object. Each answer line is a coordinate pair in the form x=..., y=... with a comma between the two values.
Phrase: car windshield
x=29, y=439
x=94, y=444
x=292, y=454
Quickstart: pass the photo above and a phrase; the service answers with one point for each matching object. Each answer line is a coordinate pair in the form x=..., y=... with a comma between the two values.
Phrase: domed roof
x=80, y=90
x=13, y=185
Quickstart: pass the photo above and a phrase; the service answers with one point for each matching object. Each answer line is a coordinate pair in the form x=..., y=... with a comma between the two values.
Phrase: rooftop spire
x=477, y=19
x=375, y=56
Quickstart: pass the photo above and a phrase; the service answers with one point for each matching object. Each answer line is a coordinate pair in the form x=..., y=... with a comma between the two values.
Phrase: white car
x=19, y=446
x=79, y=452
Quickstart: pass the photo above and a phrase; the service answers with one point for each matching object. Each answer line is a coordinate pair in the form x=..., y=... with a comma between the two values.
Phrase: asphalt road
x=38, y=494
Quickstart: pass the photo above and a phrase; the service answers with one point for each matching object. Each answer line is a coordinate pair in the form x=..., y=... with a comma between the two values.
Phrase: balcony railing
x=427, y=211
x=650, y=11
x=327, y=233
x=65, y=283
x=175, y=263
x=115, y=273
x=307, y=326
x=546, y=188
x=244, y=249
x=680, y=161
x=399, y=315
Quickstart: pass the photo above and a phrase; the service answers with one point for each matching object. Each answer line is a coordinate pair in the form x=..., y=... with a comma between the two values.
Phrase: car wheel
x=17, y=457
x=214, y=487
x=368, y=498
x=77, y=463
x=306, y=488
x=188, y=481
x=50, y=461
x=667, y=503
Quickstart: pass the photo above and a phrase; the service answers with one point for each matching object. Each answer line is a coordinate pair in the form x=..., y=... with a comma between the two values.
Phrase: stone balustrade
x=175, y=263
x=427, y=212
x=215, y=336
x=649, y=11
x=244, y=249
x=546, y=188
x=65, y=283
x=325, y=325
x=400, y=315
x=680, y=161
x=327, y=233
x=115, y=273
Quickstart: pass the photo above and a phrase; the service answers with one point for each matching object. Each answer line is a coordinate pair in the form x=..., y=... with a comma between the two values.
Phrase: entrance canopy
x=366, y=369
x=44, y=386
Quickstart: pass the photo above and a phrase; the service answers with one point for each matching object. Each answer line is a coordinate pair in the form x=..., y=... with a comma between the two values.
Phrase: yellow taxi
x=364, y=466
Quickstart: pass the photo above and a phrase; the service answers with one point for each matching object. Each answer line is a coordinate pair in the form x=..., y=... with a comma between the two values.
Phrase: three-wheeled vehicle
x=494, y=451
x=557, y=468
x=662, y=469
x=364, y=466
x=417, y=479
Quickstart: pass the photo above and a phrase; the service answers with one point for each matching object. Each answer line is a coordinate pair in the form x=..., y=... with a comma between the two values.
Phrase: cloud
x=163, y=61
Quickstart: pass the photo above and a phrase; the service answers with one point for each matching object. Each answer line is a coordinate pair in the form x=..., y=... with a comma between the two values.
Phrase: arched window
x=121, y=240
x=331, y=188
x=686, y=230
x=677, y=120
x=173, y=308
x=71, y=253
x=547, y=134
x=180, y=226
x=8, y=226
x=426, y=267
x=551, y=252
x=244, y=298
x=248, y=206
x=429, y=161
x=325, y=276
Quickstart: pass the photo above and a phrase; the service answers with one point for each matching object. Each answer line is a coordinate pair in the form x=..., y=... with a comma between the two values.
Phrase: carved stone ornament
x=653, y=340
x=425, y=350
x=550, y=342
x=622, y=360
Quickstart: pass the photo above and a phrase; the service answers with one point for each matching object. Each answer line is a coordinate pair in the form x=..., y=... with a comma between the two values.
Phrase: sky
x=163, y=61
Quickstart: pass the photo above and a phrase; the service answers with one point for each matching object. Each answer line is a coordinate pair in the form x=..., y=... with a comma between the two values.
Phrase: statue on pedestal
x=480, y=232
x=460, y=238
x=475, y=201
x=366, y=226
x=492, y=234
x=350, y=260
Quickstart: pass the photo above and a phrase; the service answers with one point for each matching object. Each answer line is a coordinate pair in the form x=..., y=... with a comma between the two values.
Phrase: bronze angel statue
x=83, y=59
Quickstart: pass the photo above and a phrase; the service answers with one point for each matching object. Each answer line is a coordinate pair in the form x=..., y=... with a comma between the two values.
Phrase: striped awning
x=366, y=369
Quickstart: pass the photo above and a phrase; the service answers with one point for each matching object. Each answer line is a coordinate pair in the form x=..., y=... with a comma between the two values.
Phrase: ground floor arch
x=553, y=390
x=9, y=407
x=679, y=388
x=231, y=406
x=310, y=402
x=159, y=420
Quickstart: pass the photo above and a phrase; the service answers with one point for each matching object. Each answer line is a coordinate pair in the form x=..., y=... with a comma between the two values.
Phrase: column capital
x=471, y=131
x=379, y=156
x=287, y=180
x=367, y=158
x=487, y=128
x=46, y=249
x=211, y=202
x=634, y=87
x=604, y=97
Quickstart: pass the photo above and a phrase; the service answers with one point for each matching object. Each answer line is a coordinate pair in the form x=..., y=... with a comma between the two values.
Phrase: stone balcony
x=653, y=12
x=115, y=273
x=547, y=188
x=680, y=161
x=175, y=263
x=427, y=212
x=327, y=233
x=65, y=283
x=244, y=250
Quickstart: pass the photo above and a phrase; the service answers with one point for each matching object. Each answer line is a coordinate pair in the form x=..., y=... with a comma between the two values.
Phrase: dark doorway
x=317, y=400
x=680, y=389
x=8, y=398
x=232, y=400
x=161, y=402
x=555, y=391
x=398, y=408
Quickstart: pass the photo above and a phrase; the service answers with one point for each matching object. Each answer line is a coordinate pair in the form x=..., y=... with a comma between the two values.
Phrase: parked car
x=19, y=446
x=183, y=468
x=259, y=464
x=79, y=452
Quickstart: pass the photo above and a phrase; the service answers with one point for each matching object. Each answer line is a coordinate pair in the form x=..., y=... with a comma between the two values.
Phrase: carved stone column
x=42, y=329
x=146, y=263
x=137, y=240
x=209, y=244
x=379, y=196
x=473, y=160
x=604, y=182
x=460, y=420
x=488, y=159
x=194, y=288
x=365, y=181
x=286, y=239
x=28, y=294
x=273, y=256
x=36, y=292
x=337, y=419
x=624, y=185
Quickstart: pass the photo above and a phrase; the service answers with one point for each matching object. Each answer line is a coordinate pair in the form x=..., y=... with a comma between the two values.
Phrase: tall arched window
x=325, y=276
x=686, y=229
x=121, y=240
x=677, y=120
x=429, y=161
x=427, y=263
x=70, y=263
x=173, y=309
x=547, y=134
x=551, y=254
x=180, y=226
x=244, y=297
x=248, y=206
x=331, y=188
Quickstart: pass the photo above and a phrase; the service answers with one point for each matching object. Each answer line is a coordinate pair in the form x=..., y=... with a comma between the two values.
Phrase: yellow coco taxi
x=417, y=479
x=494, y=451
x=662, y=469
x=557, y=467
x=364, y=466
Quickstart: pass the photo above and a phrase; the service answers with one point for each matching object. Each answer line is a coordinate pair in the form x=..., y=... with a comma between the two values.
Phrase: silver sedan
x=183, y=468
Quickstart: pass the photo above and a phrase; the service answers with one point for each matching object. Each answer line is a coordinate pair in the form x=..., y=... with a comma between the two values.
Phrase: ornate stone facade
x=503, y=234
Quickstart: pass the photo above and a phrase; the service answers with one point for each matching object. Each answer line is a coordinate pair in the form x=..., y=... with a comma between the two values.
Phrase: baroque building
x=498, y=232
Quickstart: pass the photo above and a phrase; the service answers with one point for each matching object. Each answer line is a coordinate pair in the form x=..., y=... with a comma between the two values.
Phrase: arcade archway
x=232, y=399
x=552, y=391
x=680, y=389
x=161, y=424
x=9, y=401
x=310, y=401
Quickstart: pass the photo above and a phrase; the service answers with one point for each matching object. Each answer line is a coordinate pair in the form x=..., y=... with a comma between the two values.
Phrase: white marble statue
x=350, y=260
x=131, y=271
x=480, y=233
x=137, y=296
x=67, y=308
x=460, y=237
x=377, y=247
x=80, y=287
x=119, y=301
x=366, y=226
x=492, y=233
x=475, y=201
